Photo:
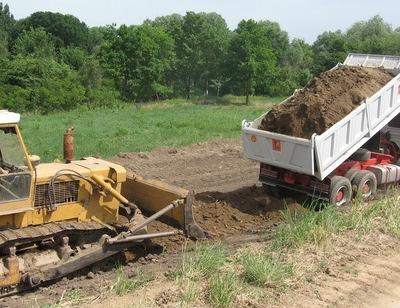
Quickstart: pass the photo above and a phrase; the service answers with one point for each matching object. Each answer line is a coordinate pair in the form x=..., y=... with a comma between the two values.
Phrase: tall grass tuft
x=223, y=288
x=310, y=226
x=263, y=269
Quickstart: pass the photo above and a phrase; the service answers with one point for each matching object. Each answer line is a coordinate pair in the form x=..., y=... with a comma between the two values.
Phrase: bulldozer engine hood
x=85, y=167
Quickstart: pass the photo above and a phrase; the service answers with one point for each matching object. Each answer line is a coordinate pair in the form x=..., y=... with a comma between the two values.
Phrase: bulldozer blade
x=152, y=196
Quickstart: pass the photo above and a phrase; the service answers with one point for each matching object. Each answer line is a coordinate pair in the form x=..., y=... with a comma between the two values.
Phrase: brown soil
x=227, y=201
x=326, y=100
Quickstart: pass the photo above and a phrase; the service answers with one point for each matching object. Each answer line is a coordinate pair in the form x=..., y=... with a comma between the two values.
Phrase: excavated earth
x=326, y=100
x=227, y=200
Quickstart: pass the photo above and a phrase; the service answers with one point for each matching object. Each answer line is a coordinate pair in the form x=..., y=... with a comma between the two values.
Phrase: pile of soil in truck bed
x=326, y=100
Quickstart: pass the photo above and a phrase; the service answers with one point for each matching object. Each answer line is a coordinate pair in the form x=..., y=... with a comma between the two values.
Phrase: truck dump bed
x=321, y=154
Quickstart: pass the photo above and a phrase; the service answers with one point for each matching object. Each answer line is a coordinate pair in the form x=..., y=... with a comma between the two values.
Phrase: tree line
x=51, y=61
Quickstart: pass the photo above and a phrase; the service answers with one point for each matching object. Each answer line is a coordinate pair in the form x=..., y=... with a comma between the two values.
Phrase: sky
x=301, y=19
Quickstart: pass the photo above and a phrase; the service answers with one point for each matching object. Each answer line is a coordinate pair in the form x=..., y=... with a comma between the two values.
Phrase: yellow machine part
x=153, y=195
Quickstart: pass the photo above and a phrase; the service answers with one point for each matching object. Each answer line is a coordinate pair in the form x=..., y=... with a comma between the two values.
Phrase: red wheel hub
x=339, y=196
x=365, y=188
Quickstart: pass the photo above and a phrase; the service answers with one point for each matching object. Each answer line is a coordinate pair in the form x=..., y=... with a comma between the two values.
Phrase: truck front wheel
x=340, y=191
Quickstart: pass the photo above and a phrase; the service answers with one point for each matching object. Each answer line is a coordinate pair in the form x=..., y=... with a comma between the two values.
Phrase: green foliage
x=172, y=56
x=67, y=30
x=7, y=20
x=251, y=58
x=36, y=43
x=29, y=84
x=201, y=46
x=330, y=48
x=140, y=58
x=73, y=56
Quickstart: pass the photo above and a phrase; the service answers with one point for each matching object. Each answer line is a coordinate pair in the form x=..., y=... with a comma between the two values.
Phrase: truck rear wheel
x=365, y=183
x=340, y=191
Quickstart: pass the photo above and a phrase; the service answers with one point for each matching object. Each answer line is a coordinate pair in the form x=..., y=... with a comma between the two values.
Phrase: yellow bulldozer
x=57, y=218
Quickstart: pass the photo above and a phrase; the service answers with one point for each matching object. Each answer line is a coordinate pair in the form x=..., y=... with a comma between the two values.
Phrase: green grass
x=317, y=227
x=262, y=269
x=196, y=266
x=203, y=261
x=223, y=288
x=129, y=128
x=125, y=285
x=305, y=227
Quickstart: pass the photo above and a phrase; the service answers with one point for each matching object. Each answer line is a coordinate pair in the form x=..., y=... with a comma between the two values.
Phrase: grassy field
x=130, y=128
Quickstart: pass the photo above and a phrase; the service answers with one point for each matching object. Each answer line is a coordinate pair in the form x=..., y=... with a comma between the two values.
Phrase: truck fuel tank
x=387, y=173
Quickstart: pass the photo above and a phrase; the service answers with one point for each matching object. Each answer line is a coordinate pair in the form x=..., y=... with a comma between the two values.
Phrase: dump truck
x=351, y=158
x=57, y=218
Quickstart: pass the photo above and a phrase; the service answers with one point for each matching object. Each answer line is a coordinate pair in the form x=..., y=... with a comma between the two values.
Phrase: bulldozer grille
x=64, y=192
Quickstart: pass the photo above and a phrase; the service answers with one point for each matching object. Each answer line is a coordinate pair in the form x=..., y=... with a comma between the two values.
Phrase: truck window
x=14, y=179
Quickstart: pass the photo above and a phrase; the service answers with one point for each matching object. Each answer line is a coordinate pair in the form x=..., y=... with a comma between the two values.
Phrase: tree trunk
x=188, y=89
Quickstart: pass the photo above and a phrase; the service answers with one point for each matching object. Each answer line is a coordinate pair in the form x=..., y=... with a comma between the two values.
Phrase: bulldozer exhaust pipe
x=68, y=145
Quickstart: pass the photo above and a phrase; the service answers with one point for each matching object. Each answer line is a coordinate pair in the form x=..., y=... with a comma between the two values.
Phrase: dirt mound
x=219, y=214
x=327, y=99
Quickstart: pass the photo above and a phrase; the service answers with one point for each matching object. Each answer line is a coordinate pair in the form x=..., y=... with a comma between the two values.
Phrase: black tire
x=350, y=174
x=365, y=184
x=340, y=191
x=361, y=155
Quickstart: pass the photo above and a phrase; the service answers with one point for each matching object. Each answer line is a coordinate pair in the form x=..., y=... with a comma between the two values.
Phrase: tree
x=296, y=69
x=329, y=49
x=73, y=56
x=251, y=57
x=91, y=76
x=139, y=57
x=35, y=42
x=28, y=84
x=67, y=30
x=279, y=39
x=7, y=20
x=201, y=48
x=373, y=36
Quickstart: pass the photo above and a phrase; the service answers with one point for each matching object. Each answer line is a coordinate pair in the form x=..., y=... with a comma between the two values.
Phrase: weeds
x=310, y=226
x=262, y=269
x=203, y=261
x=124, y=284
x=223, y=289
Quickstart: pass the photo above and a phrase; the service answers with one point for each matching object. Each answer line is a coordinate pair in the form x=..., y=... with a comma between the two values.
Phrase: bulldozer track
x=54, y=229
